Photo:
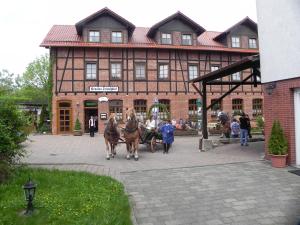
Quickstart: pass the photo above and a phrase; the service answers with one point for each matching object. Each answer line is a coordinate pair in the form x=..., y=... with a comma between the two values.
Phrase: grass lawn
x=64, y=198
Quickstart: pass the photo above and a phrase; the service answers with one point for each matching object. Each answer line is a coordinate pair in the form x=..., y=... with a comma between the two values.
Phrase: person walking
x=167, y=131
x=235, y=128
x=248, y=126
x=244, y=129
x=92, y=126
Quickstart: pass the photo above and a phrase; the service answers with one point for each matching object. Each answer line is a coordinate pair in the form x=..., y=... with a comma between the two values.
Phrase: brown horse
x=111, y=136
x=131, y=135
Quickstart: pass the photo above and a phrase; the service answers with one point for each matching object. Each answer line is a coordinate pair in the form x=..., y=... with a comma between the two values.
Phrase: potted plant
x=77, y=129
x=278, y=146
x=260, y=124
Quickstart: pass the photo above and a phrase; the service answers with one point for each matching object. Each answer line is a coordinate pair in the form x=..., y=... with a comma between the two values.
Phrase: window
x=94, y=36
x=116, y=107
x=193, y=110
x=186, y=39
x=235, y=42
x=237, y=105
x=236, y=76
x=116, y=37
x=140, y=107
x=90, y=71
x=213, y=68
x=257, y=104
x=215, y=108
x=166, y=39
x=252, y=43
x=193, y=71
x=140, y=71
x=163, y=71
x=115, y=70
x=163, y=115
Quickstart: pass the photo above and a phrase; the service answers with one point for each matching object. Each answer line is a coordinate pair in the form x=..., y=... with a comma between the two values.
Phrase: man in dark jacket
x=244, y=121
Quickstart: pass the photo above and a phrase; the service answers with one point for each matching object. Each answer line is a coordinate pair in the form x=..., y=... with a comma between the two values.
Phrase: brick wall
x=70, y=83
x=280, y=106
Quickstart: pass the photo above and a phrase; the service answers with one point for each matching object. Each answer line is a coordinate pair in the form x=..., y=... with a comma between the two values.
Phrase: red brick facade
x=280, y=106
x=70, y=83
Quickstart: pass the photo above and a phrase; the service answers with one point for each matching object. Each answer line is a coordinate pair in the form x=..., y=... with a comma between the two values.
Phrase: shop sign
x=90, y=104
x=103, y=99
x=104, y=89
x=103, y=116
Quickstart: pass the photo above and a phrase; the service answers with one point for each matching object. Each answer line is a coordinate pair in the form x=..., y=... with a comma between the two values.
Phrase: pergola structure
x=214, y=78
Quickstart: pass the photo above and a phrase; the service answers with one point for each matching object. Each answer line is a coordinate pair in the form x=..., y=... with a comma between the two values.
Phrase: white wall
x=279, y=38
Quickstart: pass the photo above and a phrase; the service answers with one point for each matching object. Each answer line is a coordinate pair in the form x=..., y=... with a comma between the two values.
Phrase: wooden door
x=64, y=118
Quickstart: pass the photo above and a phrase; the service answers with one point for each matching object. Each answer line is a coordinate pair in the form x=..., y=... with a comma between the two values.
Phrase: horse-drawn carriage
x=135, y=131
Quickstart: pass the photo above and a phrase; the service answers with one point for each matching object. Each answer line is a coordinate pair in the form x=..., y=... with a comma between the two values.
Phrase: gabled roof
x=246, y=21
x=198, y=29
x=66, y=36
x=103, y=12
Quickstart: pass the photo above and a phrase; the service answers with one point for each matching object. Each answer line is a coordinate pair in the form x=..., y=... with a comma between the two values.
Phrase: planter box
x=77, y=133
x=186, y=132
x=278, y=161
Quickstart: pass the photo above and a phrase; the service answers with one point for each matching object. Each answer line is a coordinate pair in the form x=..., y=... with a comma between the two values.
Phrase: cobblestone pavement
x=227, y=185
x=56, y=149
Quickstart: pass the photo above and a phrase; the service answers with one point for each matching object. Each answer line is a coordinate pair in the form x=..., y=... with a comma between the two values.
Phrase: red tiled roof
x=66, y=36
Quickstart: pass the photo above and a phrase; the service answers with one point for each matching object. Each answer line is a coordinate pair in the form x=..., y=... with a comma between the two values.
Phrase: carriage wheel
x=153, y=144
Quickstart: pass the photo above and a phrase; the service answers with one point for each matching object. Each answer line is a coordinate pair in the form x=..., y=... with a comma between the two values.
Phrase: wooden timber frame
x=178, y=61
x=214, y=78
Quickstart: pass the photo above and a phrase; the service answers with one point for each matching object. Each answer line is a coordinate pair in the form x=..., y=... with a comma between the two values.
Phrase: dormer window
x=94, y=36
x=235, y=42
x=186, y=39
x=116, y=37
x=252, y=43
x=166, y=39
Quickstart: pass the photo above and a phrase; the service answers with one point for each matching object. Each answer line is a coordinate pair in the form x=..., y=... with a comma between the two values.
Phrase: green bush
x=77, y=125
x=260, y=122
x=277, y=143
x=13, y=125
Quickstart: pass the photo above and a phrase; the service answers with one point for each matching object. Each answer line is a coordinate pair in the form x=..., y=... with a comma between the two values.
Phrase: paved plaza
x=230, y=184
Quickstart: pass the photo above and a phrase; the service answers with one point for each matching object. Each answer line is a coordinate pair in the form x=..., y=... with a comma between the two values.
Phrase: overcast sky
x=24, y=23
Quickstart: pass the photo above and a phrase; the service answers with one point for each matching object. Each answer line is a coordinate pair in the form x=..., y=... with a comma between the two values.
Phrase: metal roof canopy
x=211, y=78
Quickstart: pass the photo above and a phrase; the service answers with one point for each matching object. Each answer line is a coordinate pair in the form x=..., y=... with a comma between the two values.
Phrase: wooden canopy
x=213, y=78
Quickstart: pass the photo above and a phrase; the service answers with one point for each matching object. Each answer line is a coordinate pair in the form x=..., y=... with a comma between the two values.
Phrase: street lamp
x=29, y=191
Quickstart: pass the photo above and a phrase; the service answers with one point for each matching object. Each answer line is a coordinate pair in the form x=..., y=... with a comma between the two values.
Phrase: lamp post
x=29, y=192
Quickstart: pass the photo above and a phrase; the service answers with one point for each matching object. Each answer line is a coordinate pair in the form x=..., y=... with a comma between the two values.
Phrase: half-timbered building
x=104, y=55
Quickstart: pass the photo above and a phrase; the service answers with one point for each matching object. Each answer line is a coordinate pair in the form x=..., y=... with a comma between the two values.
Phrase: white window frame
x=116, y=37
x=235, y=42
x=166, y=38
x=116, y=70
x=93, y=37
x=163, y=72
x=91, y=71
x=186, y=41
x=140, y=71
x=236, y=76
x=193, y=71
x=252, y=43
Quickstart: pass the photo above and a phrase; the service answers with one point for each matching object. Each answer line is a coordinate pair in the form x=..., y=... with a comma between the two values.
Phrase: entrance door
x=90, y=109
x=88, y=112
x=297, y=124
x=65, y=117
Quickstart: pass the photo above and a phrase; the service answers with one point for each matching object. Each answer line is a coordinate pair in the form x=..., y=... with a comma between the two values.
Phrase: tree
x=35, y=80
x=7, y=84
